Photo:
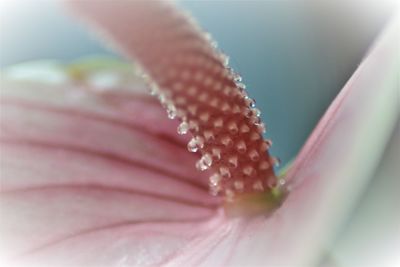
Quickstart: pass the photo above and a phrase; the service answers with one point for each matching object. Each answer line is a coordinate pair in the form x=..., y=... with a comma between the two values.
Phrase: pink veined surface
x=86, y=182
x=76, y=170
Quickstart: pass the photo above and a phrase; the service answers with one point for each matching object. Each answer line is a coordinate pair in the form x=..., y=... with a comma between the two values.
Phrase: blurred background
x=294, y=56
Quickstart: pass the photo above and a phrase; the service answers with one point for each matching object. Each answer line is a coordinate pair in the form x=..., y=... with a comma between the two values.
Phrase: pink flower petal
x=79, y=174
x=87, y=218
x=372, y=236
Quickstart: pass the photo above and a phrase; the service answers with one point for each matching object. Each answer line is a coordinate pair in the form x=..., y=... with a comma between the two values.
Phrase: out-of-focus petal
x=88, y=182
x=372, y=235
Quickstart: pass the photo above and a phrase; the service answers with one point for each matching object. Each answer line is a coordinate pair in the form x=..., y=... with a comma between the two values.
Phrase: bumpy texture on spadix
x=192, y=80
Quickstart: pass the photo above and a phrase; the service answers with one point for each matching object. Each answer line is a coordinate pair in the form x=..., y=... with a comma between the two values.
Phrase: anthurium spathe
x=88, y=181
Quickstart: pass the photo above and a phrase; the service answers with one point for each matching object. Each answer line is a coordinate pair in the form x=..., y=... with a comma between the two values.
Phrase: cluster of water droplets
x=213, y=135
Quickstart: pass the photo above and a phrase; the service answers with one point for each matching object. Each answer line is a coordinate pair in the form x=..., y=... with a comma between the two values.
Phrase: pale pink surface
x=86, y=183
x=80, y=171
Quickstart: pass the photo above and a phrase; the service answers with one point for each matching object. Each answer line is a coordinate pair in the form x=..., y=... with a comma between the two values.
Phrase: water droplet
x=241, y=92
x=250, y=102
x=204, y=163
x=200, y=142
x=194, y=126
x=208, y=135
x=224, y=171
x=142, y=73
x=236, y=77
x=233, y=161
x=180, y=113
x=261, y=128
x=224, y=58
x=192, y=145
x=215, y=179
x=253, y=105
x=207, y=159
x=171, y=111
x=248, y=170
x=241, y=147
x=214, y=44
x=253, y=155
x=154, y=90
x=229, y=70
x=216, y=153
x=195, y=144
x=265, y=145
x=275, y=161
x=162, y=99
x=214, y=191
x=241, y=86
x=255, y=120
x=226, y=140
x=246, y=112
x=183, y=128
x=232, y=127
x=256, y=112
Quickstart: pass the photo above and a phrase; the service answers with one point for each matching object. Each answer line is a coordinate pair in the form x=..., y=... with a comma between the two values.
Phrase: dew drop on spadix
x=195, y=144
x=171, y=111
x=204, y=163
x=236, y=77
x=215, y=179
x=183, y=128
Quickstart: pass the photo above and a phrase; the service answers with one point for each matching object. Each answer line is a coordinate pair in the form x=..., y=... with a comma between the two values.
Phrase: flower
x=93, y=175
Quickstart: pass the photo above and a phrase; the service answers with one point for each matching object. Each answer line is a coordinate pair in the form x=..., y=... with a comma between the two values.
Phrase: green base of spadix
x=259, y=203
x=256, y=203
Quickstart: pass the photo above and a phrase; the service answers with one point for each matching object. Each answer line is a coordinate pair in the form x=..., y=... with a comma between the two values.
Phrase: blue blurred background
x=294, y=57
